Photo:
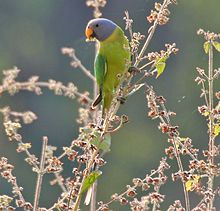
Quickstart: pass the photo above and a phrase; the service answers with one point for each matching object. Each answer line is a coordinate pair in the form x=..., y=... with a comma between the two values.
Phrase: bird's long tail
x=90, y=190
x=97, y=100
x=108, y=97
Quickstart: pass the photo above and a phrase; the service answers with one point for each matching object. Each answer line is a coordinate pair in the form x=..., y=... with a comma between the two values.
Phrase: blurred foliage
x=31, y=35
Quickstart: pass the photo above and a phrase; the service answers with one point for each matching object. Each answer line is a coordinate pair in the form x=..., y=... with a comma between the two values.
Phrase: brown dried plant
x=94, y=138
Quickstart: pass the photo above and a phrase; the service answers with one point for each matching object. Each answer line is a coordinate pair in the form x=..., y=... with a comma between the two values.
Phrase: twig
x=185, y=148
x=40, y=174
x=204, y=91
x=47, y=84
x=93, y=197
x=57, y=87
x=180, y=165
x=211, y=123
x=165, y=119
x=79, y=196
x=76, y=61
x=145, y=65
x=60, y=182
x=128, y=24
x=179, y=162
x=60, y=201
x=152, y=30
x=132, y=187
x=90, y=164
x=95, y=120
x=83, y=68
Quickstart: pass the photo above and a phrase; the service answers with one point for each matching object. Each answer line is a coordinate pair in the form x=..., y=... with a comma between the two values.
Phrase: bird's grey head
x=100, y=28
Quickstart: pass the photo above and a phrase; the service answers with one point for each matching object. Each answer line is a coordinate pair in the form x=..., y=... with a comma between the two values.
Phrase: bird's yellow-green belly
x=117, y=64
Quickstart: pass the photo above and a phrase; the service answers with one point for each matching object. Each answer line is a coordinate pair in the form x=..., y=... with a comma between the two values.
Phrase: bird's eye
x=97, y=25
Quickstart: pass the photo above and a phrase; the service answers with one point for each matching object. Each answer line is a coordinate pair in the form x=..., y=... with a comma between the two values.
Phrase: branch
x=40, y=174
x=211, y=124
x=76, y=62
x=151, y=33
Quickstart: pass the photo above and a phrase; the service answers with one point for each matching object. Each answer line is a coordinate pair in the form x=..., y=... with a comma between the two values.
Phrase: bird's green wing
x=100, y=69
x=100, y=72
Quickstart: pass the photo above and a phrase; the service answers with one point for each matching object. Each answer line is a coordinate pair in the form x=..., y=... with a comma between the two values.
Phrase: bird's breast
x=116, y=54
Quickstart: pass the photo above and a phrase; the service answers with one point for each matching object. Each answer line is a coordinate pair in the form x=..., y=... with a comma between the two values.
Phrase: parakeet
x=112, y=59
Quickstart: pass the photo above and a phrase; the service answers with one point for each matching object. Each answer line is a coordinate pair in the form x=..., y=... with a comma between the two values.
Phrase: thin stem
x=185, y=148
x=179, y=162
x=40, y=174
x=46, y=84
x=145, y=65
x=205, y=93
x=133, y=187
x=128, y=25
x=26, y=86
x=155, y=204
x=79, y=196
x=82, y=67
x=59, y=181
x=146, y=74
x=95, y=119
x=152, y=30
x=90, y=164
x=59, y=202
x=146, y=44
x=93, y=197
x=211, y=123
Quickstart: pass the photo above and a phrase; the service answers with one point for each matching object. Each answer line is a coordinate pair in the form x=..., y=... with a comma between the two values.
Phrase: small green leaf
x=104, y=144
x=206, y=113
x=216, y=129
x=181, y=140
x=92, y=177
x=162, y=59
x=206, y=46
x=193, y=182
x=99, y=141
x=160, y=65
x=216, y=45
x=160, y=68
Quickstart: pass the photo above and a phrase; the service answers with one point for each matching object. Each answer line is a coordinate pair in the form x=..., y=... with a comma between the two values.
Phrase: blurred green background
x=31, y=36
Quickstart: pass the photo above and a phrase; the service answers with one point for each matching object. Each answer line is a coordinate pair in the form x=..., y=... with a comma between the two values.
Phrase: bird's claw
x=122, y=100
x=133, y=70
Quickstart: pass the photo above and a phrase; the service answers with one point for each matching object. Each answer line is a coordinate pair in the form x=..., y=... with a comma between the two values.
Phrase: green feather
x=100, y=68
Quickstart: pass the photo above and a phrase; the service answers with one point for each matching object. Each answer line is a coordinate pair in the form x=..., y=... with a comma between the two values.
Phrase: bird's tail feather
x=88, y=196
x=108, y=97
x=97, y=100
x=90, y=190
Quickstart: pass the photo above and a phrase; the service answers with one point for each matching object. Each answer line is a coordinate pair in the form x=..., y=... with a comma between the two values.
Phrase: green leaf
x=216, y=129
x=216, y=45
x=92, y=177
x=181, y=140
x=104, y=144
x=192, y=183
x=160, y=68
x=206, y=113
x=160, y=65
x=206, y=46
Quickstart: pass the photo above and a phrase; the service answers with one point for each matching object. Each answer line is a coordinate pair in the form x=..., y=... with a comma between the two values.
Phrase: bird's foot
x=133, y=70
x=122, y=100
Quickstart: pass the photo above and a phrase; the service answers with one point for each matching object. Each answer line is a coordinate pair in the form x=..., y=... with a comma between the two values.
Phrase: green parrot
x=112, y=59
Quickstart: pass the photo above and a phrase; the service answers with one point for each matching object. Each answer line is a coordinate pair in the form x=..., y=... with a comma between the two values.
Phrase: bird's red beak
x=89, y=32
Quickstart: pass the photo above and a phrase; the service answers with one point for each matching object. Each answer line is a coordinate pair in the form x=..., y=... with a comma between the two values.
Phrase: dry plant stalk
x=94, y=133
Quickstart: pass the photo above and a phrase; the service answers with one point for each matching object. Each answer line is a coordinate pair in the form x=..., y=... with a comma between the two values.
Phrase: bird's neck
x=116, y=36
